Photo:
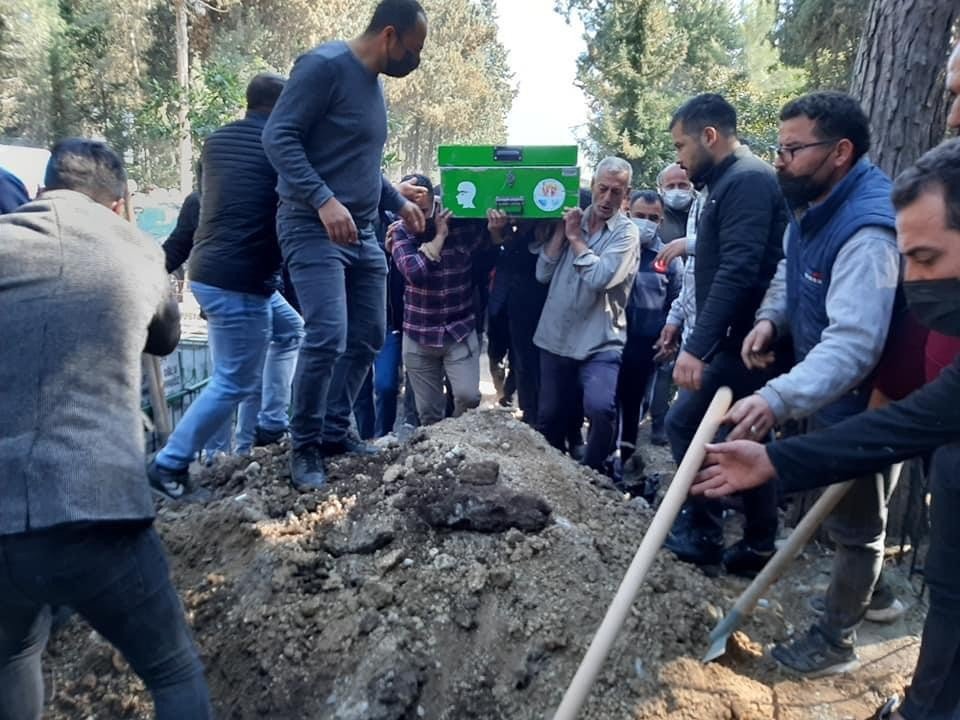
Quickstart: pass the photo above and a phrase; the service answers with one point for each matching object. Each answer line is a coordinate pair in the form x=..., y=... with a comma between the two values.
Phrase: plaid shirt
x=438, y=300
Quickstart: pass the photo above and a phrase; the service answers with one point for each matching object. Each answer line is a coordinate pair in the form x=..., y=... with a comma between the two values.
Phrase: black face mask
x=801, y=190
x=936, y=303
x=402, y=67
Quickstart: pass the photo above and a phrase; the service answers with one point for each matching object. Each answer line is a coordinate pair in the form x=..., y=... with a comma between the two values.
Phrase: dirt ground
x=461, y=576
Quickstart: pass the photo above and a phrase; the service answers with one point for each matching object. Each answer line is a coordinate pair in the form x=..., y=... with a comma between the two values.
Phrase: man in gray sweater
x=325, y=138
x=833, y=294
x=82, y=294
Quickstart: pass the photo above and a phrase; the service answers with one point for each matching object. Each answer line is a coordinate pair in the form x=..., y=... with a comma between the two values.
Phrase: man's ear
x=710, y=136
x=118, y=207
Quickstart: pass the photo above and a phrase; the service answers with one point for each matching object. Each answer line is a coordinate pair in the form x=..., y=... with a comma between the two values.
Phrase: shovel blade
x=721, y=634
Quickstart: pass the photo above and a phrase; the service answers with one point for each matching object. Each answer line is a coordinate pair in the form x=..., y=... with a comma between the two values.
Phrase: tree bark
x=183, y=105
x=899, y=77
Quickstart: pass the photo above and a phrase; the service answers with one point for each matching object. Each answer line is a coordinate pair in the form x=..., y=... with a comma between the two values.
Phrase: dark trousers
x=683, y=419
x=116, y=577
x=523, y=314
x=661, y=391
x=342, y=291
x=563, y=382
x=636, y=370
x=500, y=348
x=934, y=692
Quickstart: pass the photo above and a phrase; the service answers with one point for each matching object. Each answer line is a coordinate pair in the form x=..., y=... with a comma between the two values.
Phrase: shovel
x=773, y=569
x=600, y=646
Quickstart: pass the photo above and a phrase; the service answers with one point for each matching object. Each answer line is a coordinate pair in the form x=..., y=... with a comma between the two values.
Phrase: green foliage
x=645, y=57
x=107, y=69
x=821, y=36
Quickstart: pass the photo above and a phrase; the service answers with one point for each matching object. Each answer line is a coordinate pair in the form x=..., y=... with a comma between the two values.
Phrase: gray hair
x=615, y=166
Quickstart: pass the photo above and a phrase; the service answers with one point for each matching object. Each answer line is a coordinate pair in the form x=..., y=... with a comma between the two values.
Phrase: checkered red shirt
x=438, y=299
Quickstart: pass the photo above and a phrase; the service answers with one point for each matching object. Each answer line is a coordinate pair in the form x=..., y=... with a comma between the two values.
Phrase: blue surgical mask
x=647, y=230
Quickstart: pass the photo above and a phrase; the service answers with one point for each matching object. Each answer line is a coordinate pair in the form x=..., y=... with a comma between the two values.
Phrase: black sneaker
x=263, y=437
x=742, y=560
x=349, y=445
x=306, y=468
x=813, y=655
x=170, y=484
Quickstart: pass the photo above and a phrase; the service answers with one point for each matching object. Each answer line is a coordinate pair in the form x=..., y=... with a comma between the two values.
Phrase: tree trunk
x=899, y=77
x=183, y=110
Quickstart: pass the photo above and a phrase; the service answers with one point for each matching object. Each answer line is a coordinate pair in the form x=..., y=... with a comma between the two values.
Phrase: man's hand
x=391, y=232
x=411, y=192
x=751, y=417
x=671, y=251
x=496, y=223
x=688, y=372
x=572, y=219
x=666, y=344
x=733, y=467
x=413, y=217
x=434, y=248
x=755, y=351
x=338, y=222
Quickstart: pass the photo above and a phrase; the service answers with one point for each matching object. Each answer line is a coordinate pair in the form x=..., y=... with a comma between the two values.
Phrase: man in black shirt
x=927, y=199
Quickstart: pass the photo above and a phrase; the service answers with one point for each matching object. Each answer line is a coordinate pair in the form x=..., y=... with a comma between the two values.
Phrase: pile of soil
x=460, y=575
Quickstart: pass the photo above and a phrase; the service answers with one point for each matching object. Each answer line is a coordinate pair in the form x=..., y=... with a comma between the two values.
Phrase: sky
x=543, y=53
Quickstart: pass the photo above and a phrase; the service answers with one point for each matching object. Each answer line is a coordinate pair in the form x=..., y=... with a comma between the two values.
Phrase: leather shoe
x=696, y=548
x=306, y=468
x=741, y=559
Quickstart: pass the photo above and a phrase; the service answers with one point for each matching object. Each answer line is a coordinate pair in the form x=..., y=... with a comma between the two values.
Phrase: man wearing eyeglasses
x=833, y=293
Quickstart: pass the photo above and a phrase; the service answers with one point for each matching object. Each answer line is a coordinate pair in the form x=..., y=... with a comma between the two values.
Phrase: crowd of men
x=327, y=288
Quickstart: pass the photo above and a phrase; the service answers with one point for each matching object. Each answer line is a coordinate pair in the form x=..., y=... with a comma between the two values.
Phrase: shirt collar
x=610, y=223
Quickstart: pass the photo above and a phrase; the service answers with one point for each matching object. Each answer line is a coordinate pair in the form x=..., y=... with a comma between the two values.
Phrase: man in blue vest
x=833, y=293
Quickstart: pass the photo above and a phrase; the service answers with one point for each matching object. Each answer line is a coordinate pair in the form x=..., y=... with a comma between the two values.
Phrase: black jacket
x=235, y=246
x=739, y=243
x=177, y=247
x=872, y=440
x=674, y=224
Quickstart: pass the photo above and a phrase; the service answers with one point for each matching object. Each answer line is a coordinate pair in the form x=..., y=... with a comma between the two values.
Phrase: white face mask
x=647, y=230
x=678, y=199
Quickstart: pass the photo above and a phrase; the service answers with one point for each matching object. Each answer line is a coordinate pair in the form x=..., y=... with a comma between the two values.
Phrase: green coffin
x=525, y=181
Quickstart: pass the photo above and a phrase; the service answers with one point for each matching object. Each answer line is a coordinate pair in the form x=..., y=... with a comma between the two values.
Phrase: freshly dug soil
x=459, y=576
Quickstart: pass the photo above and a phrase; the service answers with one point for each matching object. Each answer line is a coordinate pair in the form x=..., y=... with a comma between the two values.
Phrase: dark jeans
x=661, y=391
x=342, y=291
x=364, y=411
x=934, y=692
x=116, y=577
x=683, y=419
x=635, y=373
x=559, y=405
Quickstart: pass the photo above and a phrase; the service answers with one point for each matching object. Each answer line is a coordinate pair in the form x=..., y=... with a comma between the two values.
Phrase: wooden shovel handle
x=653, y=539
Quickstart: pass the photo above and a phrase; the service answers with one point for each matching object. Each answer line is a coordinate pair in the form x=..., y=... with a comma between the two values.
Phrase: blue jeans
x=116, y=577
x=343, y=295
x=269, y=406
x=564, y=382
x=364, y=411
x=386, y=382
x=238, y=325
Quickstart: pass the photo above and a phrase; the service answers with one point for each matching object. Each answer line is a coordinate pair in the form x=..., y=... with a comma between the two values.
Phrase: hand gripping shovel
x=599, y=648
x=773, y=569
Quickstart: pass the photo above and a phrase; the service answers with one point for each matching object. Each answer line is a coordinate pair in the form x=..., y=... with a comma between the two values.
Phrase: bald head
x=673, y=177
x=953, y=87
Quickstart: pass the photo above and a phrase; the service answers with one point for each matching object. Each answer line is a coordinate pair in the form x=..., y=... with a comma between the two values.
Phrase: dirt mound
x=459, y=576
